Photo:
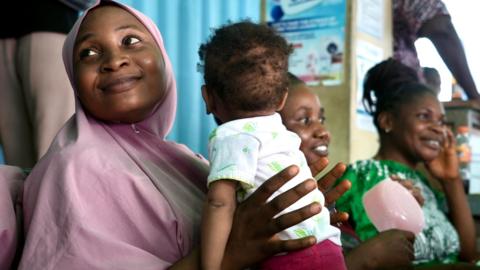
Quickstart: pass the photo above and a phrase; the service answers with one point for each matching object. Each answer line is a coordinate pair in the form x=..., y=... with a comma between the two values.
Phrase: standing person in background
x=432, y=78
x=34, y=97
x=413, y=19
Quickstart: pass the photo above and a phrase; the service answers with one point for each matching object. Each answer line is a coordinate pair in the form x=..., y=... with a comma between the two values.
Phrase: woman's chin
x=429, y=157
x=314, y=157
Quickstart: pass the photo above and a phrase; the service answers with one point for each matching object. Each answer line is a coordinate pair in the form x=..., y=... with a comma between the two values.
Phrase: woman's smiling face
x=304, y=115
x=118, y=66
x=418, y=129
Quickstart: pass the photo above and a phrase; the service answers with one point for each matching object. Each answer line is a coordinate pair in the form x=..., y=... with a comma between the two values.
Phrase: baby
x=245, y=70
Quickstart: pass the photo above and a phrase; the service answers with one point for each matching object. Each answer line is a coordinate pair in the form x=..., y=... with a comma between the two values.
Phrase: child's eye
x=130, y=40
x=322, y=119
x=305, y=120
x=87, y=52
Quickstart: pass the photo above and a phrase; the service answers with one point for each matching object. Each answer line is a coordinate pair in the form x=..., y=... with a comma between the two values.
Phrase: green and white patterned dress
x=437, y=243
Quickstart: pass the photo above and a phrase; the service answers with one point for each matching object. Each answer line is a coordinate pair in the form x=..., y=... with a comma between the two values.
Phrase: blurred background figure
x=432, y=78
x=34, y=97
x=413, y=19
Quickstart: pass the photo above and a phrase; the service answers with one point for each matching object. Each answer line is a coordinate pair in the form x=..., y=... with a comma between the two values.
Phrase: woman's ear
x=208, y=99
x=282, y=102
x=385, y=122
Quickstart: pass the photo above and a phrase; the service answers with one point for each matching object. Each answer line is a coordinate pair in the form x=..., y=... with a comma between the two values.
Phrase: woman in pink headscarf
x=111, y=193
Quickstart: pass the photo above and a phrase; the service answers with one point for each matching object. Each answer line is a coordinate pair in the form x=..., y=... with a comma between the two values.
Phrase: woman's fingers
x=287, y=220
x=338, y=217
x=333, y=194
x=279, y=246
x=260, y=196
x=410, y=237
x=318, y=165
x=414, y=190
x=327, y=181
x=417, y=193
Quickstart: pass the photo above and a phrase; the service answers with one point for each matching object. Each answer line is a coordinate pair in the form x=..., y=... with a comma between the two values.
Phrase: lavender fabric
x=11, y=181
x=114, y=196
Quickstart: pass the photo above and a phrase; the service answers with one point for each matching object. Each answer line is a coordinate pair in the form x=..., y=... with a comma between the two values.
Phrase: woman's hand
x=325, y=186
x=445, y=166
x=389, y=249
x=414, y=190
x=253, y=236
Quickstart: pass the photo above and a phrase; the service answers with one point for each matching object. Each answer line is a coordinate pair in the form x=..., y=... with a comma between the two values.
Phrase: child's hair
x=388, y=86
x=246, y=64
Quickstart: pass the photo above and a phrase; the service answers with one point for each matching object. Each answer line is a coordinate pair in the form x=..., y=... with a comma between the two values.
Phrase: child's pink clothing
x=323, y=256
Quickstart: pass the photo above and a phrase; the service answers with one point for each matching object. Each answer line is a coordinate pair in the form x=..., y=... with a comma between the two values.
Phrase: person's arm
x=441, y=32
x=390, y=249
x=253, y=234
x=445, y=168
x=217, y=222
x=461, y=217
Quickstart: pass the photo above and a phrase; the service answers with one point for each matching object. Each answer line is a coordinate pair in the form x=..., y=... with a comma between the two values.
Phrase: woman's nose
x=321, y=133
x=113, y=61
x=438, y=127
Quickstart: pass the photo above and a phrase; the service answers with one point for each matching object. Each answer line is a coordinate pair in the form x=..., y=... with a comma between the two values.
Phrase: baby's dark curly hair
x=389, y=85
x=246, y=64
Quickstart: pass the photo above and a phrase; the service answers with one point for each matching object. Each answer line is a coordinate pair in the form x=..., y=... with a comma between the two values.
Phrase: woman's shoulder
x=74, y=162
x=364, y=166
x=368, y=170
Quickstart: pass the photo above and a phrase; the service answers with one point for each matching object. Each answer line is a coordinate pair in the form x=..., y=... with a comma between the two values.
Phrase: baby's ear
x=282, y=102
x=208, y=99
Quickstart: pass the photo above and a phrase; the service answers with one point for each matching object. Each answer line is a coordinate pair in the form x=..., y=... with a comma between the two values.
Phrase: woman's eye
x=130, y=40
x=442, y=122
x=423, y=116
x=87, y=52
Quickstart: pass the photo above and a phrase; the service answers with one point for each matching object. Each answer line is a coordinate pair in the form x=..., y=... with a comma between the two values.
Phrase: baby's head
x=409, y=117
x=303, y=114
x=118, y=69
x=245, y=71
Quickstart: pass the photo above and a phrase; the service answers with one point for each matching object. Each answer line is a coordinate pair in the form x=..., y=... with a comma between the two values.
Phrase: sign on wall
x=316, y=29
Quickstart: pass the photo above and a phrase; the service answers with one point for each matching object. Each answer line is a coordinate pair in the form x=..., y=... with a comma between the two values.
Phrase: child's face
x=304, y=115
x=418, y=129
x=119, y=69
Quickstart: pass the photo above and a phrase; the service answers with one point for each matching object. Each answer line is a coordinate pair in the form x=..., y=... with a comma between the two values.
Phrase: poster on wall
x=367, y=55
x=370, y=17
x=316, y=29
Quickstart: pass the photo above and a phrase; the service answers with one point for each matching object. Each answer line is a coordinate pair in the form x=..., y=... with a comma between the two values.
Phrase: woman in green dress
x=412, y=131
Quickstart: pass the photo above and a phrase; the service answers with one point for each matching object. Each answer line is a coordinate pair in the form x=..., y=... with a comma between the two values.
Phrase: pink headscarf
x=114, y=196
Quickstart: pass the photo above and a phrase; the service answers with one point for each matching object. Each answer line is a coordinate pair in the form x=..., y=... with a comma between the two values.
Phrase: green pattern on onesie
x=301, y=233
x=250, y=127
x=212, y=135
x=275, y=166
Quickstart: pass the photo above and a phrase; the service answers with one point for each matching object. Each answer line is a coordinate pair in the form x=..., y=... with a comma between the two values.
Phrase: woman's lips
x=321, y=150
x=119, y=85
x=433, y=144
